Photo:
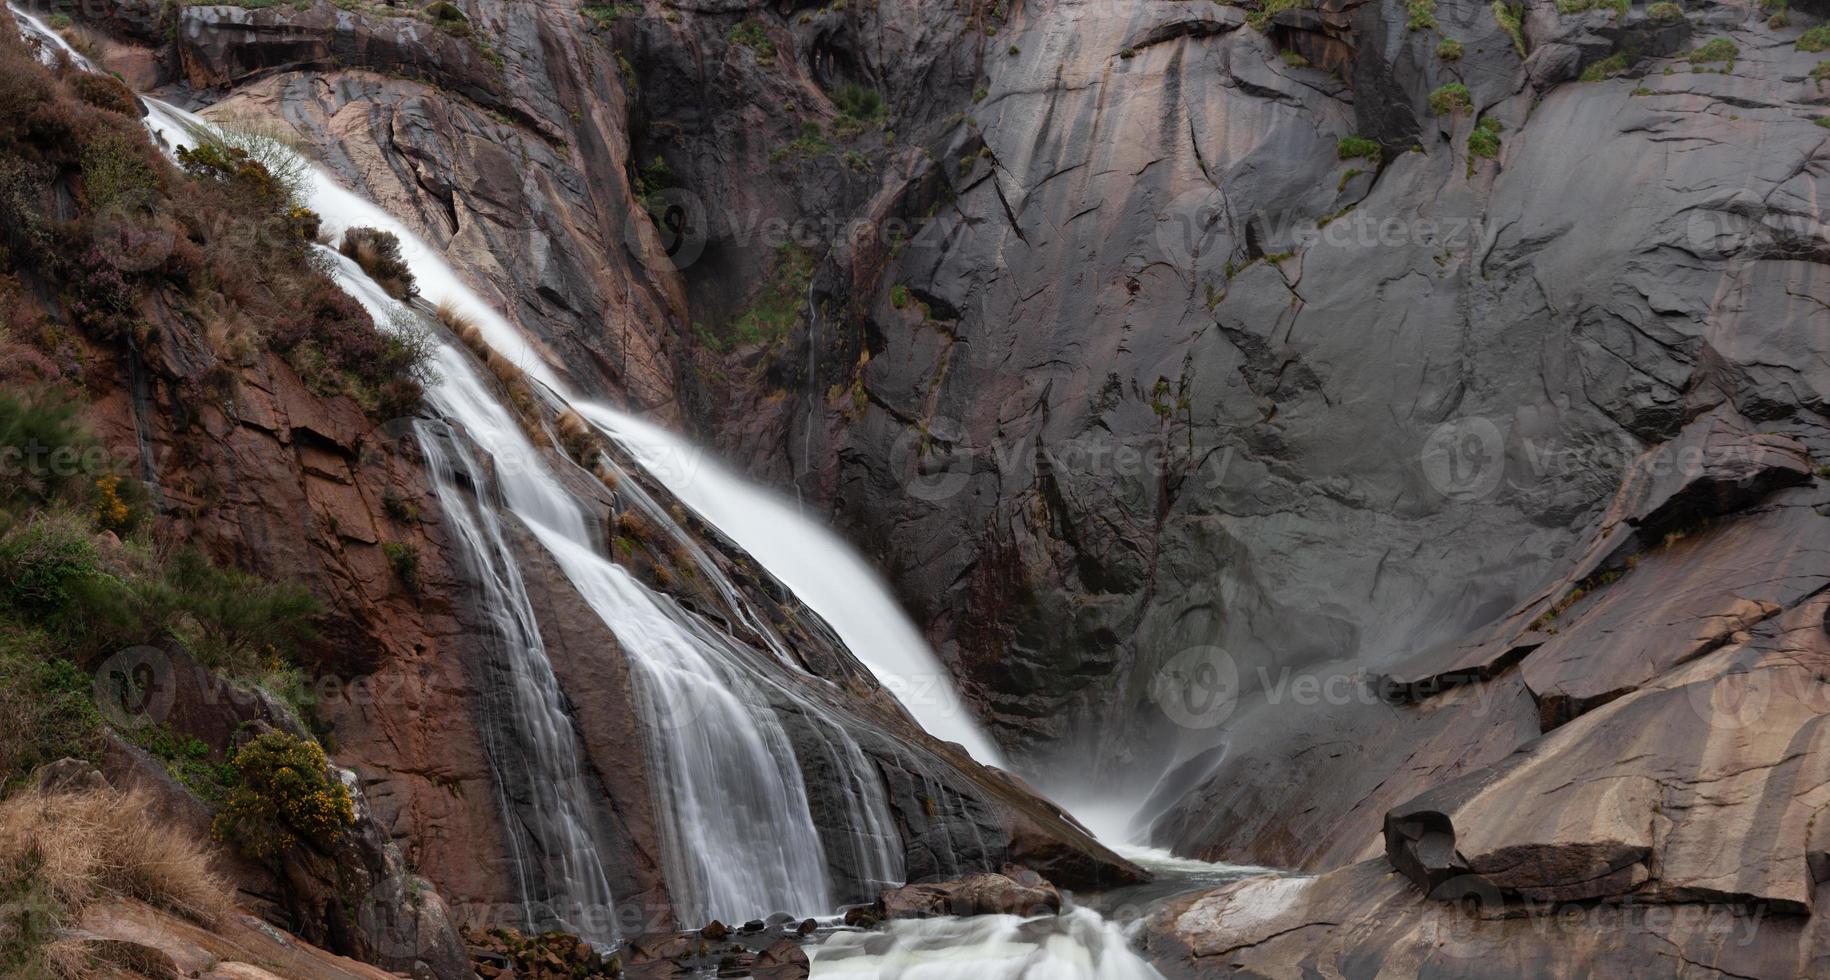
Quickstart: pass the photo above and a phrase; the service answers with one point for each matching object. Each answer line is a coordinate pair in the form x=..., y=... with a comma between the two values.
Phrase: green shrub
x=1511, y=18
x=1351, y=147
x=1815, y=39
x=650, y=181
x=239, y=175
x=752, y=35
x=1260, y=19
x=45, y=452
x=187, y=760
x=811, y=143
x=1719, y=49
x=287, y=796
x=780, y=303
x=1293, y=59
x=1484, y=141
x=1665, y=11
x=46, y=707
x=1821, y=73
x=117, y=171
x=44, y=566
x=448, y=18
x=899, y=296
x=1607, y=67
x=1420, y=15
x=859, y=102
x=1450, y=98
x=398, y=507
x=230, y=620
x=606, y=14
x=1448, y=49
x=403, y=559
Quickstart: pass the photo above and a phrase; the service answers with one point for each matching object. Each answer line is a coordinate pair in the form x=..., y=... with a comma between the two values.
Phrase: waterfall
x=820, y=568
x=1076, y=945
x=720, y=715
x=738, y=832
x=530, y=735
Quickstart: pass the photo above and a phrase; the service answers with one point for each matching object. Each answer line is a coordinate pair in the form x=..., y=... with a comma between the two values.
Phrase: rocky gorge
x=1380, y=441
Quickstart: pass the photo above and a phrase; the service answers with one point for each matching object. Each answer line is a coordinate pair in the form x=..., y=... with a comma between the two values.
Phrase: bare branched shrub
x=274, y=146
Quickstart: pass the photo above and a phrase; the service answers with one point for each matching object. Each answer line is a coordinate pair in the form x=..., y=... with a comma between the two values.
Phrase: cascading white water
x=1075, y=945
x=740, y=837
x=738, y=830
x=820, y=569
x=743, y=841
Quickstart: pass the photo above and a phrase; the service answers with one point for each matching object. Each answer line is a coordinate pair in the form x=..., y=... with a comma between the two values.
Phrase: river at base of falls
x=1091, y=940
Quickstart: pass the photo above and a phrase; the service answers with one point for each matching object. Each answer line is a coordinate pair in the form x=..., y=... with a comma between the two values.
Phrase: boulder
x=976, y=894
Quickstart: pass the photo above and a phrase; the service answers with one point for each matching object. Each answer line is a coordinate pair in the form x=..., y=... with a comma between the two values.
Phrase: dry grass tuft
x=84, y=846
x=505, y=370
x=464, y=328
x=577, y=437
x=609, y=477
x=635, y=527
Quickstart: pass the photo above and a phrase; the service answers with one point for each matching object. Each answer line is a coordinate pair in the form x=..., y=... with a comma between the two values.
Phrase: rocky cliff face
x=484, y=146
x=1456, y=507
x=1373, y=432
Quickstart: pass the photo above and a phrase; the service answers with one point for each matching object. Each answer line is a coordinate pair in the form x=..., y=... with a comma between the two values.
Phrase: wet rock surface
x=979, y=894
x=766, y=952
x=505, y=144
x=1522, y=450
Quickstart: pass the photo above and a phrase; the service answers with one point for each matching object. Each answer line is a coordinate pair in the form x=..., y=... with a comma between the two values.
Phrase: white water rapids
x=738, y=831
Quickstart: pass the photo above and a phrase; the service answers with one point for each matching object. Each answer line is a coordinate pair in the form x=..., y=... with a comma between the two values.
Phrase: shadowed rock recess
x=1384, y=440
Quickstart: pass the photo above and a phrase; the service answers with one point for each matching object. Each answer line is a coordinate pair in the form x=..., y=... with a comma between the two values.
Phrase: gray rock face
x=1432, y=512
x=1112, y=425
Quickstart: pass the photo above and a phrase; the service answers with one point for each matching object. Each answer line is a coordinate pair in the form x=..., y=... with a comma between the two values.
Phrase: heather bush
x=378, y=253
